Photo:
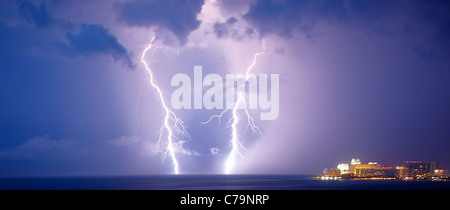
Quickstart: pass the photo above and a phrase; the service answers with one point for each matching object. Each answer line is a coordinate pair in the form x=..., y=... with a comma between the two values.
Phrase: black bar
x=233, y=199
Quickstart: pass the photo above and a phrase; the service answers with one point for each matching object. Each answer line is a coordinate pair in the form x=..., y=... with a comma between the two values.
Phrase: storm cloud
x=35, y=14
x=177, y=16
x=95, y=39
x=285, y=18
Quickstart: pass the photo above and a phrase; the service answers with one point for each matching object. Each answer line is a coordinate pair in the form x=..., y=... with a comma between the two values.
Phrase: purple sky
x=358, y=79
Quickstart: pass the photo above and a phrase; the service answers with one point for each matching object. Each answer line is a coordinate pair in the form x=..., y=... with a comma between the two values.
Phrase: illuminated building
x=401, y=171
x=332, y=172
x=363, y=170
x=343, y=167
x=410, y=170
x=373, y=169
x=355, y=161
x=420, y=169
x=441, y=173
x=376, y=172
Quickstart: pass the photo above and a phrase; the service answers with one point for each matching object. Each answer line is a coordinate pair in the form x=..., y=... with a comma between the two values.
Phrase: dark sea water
x=214, y=182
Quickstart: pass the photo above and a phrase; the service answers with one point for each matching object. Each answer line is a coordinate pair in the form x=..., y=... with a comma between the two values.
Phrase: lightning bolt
x=172, y=124
x=235, y=144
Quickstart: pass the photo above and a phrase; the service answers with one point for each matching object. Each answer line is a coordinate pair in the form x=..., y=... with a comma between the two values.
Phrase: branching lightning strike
x=172, y=124
x=235, y=143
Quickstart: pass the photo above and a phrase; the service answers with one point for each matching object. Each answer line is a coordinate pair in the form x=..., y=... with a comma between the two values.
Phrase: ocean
x=212, y=182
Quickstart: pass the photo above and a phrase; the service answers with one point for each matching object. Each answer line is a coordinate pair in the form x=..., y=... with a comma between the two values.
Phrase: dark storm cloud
x=429, y=20
x=177, y=16
x=95, y=39
x=91, y=39
x=435, y=15
x=223, y=29
x=37, y=15
x=284, y=17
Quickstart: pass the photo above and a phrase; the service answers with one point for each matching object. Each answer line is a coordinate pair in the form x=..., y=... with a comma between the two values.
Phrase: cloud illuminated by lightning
x=235, y=144
x=172, y=124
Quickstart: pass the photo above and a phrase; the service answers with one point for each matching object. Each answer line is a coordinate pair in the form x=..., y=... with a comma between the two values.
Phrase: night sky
x=366, y=79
